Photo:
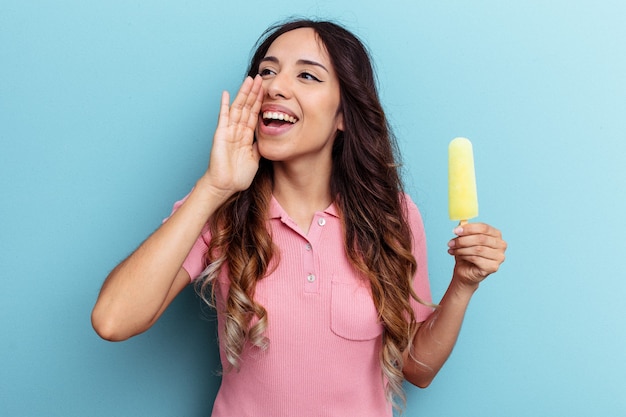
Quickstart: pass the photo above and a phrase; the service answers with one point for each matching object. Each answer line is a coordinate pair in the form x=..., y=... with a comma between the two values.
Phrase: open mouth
x=271, y=118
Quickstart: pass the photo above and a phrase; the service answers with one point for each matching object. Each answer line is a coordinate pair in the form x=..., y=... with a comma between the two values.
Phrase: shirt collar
x=277, y=212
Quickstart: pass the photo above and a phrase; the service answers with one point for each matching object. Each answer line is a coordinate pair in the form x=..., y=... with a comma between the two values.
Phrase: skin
x=139, y=289
x=478, y=251
x=298, y=79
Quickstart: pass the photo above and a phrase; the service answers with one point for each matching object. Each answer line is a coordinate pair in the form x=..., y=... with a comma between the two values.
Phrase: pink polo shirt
x=325, y=338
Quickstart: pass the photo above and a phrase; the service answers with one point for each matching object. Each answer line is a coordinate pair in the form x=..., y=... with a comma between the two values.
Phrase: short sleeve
x=194, y=264
x=421, y=284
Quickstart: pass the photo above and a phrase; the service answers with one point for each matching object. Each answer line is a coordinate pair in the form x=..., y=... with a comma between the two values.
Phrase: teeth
x=279, y=116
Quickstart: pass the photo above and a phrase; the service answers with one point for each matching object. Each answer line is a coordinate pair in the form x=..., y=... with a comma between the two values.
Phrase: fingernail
x=451, y=243
x=458, y=230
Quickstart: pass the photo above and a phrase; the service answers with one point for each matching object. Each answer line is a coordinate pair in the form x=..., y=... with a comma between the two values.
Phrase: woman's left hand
x=478, y=250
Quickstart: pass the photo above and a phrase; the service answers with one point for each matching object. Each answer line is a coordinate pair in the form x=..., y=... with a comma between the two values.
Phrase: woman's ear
x=340, y=121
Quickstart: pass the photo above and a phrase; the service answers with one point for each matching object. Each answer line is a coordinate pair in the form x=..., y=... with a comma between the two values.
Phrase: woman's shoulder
x=407, y=202
x=411, y=211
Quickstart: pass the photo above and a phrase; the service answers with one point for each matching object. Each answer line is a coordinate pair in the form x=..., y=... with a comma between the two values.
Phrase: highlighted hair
x=368, y=192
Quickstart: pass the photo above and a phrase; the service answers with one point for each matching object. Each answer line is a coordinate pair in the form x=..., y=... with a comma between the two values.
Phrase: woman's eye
x=308, y=76
x=265, y=71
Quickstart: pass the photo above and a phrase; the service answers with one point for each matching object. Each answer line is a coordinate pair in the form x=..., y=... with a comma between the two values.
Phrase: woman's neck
x=302, y=193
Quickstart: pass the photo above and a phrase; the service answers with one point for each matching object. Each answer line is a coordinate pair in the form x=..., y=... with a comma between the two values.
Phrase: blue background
x=106, y=118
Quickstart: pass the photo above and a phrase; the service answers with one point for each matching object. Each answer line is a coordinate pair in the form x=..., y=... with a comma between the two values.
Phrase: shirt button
x=311, y=278
x=307, y=246
x=321, y=221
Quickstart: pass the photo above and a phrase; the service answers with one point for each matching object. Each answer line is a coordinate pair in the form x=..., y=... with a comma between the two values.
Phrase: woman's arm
x=478, y=251
x=139, y=289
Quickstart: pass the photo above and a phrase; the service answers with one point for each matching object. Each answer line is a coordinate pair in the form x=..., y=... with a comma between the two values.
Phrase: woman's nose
x=277, y=86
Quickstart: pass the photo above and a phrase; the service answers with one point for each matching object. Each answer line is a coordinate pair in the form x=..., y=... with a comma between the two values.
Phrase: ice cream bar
x=462, y=197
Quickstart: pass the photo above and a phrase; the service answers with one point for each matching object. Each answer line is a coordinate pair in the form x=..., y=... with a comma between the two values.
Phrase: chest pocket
x=353, y=315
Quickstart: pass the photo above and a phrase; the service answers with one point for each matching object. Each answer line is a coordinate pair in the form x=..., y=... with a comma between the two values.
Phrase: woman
x=300, y=235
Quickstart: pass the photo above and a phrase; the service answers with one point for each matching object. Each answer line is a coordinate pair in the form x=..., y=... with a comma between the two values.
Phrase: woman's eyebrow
x=275, y=60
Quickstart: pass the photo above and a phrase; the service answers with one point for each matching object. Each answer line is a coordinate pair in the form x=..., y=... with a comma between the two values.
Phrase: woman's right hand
x=234, y=158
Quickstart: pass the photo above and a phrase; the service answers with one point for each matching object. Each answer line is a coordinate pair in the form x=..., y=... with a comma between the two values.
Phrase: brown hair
x=368, y=192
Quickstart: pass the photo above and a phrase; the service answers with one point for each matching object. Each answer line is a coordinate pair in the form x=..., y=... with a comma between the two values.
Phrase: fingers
x=222, y=120
x=257, y=88
x=245, y=108
x=478, y=243
x=477, y=228
x=237, y=121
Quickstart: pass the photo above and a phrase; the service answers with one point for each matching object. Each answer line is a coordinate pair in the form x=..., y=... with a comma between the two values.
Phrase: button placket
x=311, y=274
x=311, y=283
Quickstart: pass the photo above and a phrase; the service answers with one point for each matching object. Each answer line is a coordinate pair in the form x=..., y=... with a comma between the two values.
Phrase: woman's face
x=300, y=116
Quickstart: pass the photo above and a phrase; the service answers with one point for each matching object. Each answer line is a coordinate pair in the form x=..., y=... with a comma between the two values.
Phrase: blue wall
x=106, y=116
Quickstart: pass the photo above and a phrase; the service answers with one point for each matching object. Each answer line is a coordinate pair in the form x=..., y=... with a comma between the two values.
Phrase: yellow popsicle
x=462, y=196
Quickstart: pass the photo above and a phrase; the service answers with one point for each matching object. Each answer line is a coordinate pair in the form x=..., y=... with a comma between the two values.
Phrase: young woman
x=301, y=236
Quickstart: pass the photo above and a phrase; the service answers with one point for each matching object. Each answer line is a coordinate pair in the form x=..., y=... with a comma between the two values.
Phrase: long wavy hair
x=368, y=192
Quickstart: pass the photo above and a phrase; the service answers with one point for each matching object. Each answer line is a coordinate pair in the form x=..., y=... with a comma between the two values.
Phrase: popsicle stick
x=462, y=222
